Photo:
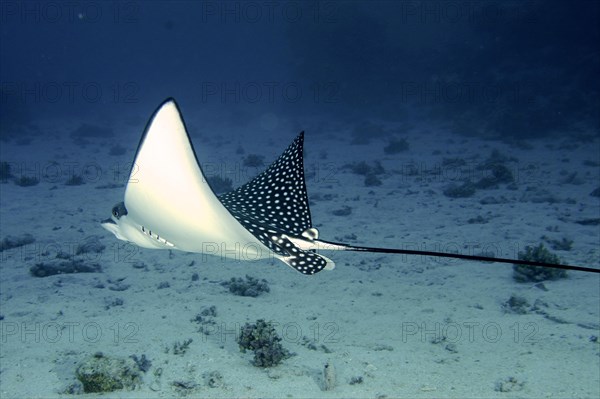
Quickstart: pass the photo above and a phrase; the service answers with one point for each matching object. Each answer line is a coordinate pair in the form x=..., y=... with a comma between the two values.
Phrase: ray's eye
x=119, y=210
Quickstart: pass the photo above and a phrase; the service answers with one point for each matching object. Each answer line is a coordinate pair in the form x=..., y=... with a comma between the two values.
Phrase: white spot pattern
x=277, y=197
x=275, y=204
x=306, y=262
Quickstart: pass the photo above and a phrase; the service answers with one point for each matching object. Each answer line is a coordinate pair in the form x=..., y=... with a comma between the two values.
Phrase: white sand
x=377, y=314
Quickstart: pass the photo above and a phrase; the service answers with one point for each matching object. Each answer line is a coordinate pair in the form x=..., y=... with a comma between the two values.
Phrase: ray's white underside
x=170, y=204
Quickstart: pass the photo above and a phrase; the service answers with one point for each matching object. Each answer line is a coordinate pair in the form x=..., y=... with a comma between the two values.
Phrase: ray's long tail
x=344, y=247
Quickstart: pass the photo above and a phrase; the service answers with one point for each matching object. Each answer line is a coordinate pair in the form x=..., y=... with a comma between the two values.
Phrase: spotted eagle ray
x=169, y=204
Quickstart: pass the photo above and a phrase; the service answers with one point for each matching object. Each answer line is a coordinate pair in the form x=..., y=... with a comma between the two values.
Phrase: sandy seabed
x=391, y=326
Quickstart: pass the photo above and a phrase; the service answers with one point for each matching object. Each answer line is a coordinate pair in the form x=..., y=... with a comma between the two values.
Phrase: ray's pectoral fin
x=304, y=261
x=168, y=202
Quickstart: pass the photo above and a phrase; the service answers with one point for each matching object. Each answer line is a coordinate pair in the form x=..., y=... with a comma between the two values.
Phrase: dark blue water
x=508, y=68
